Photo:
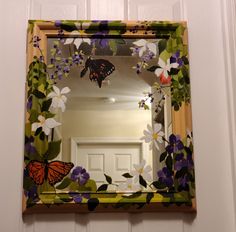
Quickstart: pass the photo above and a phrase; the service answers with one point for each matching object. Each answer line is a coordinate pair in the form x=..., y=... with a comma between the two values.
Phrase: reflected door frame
x=75, y=141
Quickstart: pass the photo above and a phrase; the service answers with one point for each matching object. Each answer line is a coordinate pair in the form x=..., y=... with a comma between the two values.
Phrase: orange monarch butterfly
x=54, y=171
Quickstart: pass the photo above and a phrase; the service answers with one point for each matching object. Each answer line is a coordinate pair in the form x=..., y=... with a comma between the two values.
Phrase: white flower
x=165, y=68
x=129, y=186
x=153, y=135
x=145, y=45
x=77, y=41
x=46, y=124
x=58, y=97
x=141, y=170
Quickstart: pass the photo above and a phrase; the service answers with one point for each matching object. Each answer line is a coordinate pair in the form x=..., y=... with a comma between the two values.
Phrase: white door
x=111, y=159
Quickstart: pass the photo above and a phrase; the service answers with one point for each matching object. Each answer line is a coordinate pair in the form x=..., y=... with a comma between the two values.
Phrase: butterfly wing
x=57, y=170
x=36, y=171
x=99, y=70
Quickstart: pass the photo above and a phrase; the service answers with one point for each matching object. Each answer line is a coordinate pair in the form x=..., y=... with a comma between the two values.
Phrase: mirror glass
x=113, y=113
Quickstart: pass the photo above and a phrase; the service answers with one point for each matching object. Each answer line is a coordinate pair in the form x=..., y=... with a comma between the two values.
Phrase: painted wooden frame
x=52, y=186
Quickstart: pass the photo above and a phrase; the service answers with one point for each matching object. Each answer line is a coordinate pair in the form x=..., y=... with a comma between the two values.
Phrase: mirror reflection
x=113, y=113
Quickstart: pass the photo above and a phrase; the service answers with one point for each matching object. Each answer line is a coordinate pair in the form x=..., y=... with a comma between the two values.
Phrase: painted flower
x=175, y=144
x=141, y=170
x=58, y=97
x=29, y=145
x=164, y=69
x=153, y=135
x=77, y=41
x=144, y=46
x=45, y=124
x=129, y=186
x=183, y=182
x=165, y=177
x=78, y=197
x=80, y=174
x=175, y=58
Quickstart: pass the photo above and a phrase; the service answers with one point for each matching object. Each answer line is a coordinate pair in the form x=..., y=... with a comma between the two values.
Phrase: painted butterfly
x=99, y=69
x=54, y=171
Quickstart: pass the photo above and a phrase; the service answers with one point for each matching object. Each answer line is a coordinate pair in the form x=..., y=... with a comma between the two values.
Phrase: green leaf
x=54, y=149
x=153, y=68
x=46, y=193
x=163, y=156
x=92, y=185
x=92, y=204
x=162, y=45
x=149, y=197
x=158, y=185
x=127, y=175
x=120, y=41
x=41, y=146
x=113, y=46
x=108, y=179
x=33, y=116
x=64, y=184
x=38, y=94
x=103, y=187
x=169, y=162
x=142, y=181
x=46, y=104
x=28, y=183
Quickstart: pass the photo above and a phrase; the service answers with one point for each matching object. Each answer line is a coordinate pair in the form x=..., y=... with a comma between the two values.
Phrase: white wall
x=214, y=169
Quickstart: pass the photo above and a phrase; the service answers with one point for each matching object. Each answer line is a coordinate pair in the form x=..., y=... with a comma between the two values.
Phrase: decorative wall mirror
x=108, y=117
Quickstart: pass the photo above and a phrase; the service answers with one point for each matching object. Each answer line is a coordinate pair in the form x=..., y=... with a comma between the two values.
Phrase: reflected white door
x=111, y=159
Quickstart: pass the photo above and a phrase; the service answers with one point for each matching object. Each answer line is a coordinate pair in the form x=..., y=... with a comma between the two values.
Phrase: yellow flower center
x=140, y=170
x=155, y=136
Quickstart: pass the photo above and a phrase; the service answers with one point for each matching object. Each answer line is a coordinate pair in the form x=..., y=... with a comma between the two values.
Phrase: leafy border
x=177, y=164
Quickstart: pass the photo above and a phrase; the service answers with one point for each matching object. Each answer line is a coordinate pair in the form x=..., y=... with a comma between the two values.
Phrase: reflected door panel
x=114, y=160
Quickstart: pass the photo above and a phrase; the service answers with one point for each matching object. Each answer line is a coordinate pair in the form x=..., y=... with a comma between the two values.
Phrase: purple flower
x=78, y=197
x=181, y=164
x=165, y=176
x=175, y=144
x=29, y=145
x=80, y=174
x=175, y=58
x=183, y=181
x=29, y=103
x=58, y=23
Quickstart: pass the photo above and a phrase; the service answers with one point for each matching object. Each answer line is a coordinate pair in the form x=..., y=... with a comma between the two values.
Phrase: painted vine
x=174, y=179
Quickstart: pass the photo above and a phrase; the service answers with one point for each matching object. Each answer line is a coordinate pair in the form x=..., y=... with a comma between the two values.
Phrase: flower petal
x=61, y=105
x=69, y=40
x=46, y=130
x=158, y=72
x=51, y=123
x=87, y=40
x=161, y=63
x=56, y=90
x=152, y=47
x=157, y=127
x=35, y=126
x=77, y=42
x=149, y=127
x=65, y=90
x=140, y=43
x=141, y=51
x=174, y=65
x=51, y=95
